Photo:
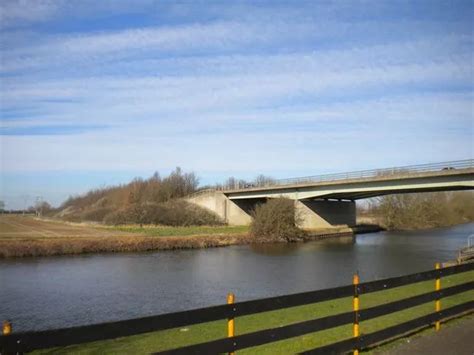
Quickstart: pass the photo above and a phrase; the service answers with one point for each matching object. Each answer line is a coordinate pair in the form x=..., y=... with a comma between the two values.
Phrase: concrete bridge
x=326, y=201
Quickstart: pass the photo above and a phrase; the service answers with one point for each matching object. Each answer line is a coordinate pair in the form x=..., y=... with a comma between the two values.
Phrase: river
x=51, y=292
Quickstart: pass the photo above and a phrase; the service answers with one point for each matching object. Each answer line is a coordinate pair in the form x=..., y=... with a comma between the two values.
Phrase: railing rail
x=27, y=341
x=372, y=173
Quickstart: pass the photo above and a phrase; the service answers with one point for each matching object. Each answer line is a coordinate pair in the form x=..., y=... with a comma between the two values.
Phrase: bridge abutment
x=319, y=214
x=234, y=213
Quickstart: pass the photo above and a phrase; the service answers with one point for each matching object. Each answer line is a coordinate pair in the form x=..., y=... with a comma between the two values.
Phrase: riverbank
x=27, y=236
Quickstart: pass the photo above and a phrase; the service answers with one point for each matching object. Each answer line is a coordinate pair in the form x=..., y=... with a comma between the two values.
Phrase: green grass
x=173, y=338
x=165, y=231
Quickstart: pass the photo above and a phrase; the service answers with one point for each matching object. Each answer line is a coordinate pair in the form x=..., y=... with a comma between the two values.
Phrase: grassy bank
x=23, y=236
x=173, y=338
x=166, y=231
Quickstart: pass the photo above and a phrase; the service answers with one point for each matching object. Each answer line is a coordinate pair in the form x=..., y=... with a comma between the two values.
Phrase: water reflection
x=290, y=248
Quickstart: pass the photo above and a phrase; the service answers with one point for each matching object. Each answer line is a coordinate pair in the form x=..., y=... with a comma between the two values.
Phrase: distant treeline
x=28, y=211
x=422, y=210
x=236, y=183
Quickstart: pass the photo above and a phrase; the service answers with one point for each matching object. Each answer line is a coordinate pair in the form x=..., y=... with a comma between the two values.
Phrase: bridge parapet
x=401, y=171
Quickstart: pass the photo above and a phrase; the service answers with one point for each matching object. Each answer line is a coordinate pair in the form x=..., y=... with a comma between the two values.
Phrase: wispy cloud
x=20, y=11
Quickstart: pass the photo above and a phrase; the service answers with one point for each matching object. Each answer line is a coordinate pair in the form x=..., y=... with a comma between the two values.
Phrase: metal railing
x=361, y=174
x=467, y=253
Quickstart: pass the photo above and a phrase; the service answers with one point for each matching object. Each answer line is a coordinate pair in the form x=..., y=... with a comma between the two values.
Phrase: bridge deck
x=399, y=176
x=395, y=173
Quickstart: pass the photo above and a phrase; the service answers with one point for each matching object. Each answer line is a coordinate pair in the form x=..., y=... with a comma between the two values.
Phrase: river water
x=52, y=292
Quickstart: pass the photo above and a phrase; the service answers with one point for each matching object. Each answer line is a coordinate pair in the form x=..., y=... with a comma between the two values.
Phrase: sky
x=94, y=93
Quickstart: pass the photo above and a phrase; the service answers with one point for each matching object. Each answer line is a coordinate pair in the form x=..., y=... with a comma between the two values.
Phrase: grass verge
x=173, y=338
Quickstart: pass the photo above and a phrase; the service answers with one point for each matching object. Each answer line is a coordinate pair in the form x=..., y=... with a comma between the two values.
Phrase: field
x=168, y=339
x=30, y=236
x=29, y=228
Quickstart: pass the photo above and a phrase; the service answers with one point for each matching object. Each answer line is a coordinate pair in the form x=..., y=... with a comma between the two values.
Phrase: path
x=454, y=339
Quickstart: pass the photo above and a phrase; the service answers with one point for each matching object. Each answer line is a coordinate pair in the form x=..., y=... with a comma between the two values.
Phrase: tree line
x=423, y=210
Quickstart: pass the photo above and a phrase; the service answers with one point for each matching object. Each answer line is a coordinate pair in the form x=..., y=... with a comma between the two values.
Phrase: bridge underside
x=317, y=214
x=352, y=196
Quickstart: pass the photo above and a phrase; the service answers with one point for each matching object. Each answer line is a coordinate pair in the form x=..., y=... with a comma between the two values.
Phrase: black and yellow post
x=230, y=321
x=438, y=300
x=355, y=306
x=7, y=327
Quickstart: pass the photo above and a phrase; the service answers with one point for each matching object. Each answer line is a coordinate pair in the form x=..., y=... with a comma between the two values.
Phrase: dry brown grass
x=64, y=246
x=26, y=236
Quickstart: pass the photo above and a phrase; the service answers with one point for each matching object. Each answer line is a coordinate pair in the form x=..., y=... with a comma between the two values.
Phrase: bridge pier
x=319, y=214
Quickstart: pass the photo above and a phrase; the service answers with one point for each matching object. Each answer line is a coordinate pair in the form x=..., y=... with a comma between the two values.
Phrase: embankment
x=85, y=245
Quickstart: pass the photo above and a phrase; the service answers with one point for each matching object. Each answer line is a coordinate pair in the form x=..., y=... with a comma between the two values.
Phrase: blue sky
x=94, y=93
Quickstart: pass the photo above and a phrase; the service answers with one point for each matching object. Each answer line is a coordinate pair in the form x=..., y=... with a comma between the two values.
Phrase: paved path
x=453, y=339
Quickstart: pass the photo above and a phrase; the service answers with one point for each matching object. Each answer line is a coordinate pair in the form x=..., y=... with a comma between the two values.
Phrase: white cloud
x=14, y=12
x=113, y=100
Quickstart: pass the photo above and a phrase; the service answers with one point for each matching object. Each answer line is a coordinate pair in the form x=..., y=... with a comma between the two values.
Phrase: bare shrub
x=260, y=181
x=131, y=203
x=171, y=213
x=95, y=215
x=275, y=220
x=116, y=218
x=263, y=180
x=424, y=210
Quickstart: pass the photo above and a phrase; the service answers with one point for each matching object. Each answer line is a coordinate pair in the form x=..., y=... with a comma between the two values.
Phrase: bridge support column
x=317, y=214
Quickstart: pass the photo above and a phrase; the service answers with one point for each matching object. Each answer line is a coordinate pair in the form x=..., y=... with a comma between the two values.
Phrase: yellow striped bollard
x=355, y=306
x=7, y=327
x=438, y=300
x=230, y=321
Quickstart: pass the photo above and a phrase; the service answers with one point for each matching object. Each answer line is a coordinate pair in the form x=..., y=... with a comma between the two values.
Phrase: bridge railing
x=28, y=341
x=394, y=171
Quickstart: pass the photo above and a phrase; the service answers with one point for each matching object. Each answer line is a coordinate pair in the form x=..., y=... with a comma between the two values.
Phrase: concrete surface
x=452, y=339
x=315, y=214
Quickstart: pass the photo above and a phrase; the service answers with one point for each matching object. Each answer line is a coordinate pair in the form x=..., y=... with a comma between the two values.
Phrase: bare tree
x=263, y=180
x=42, y=207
